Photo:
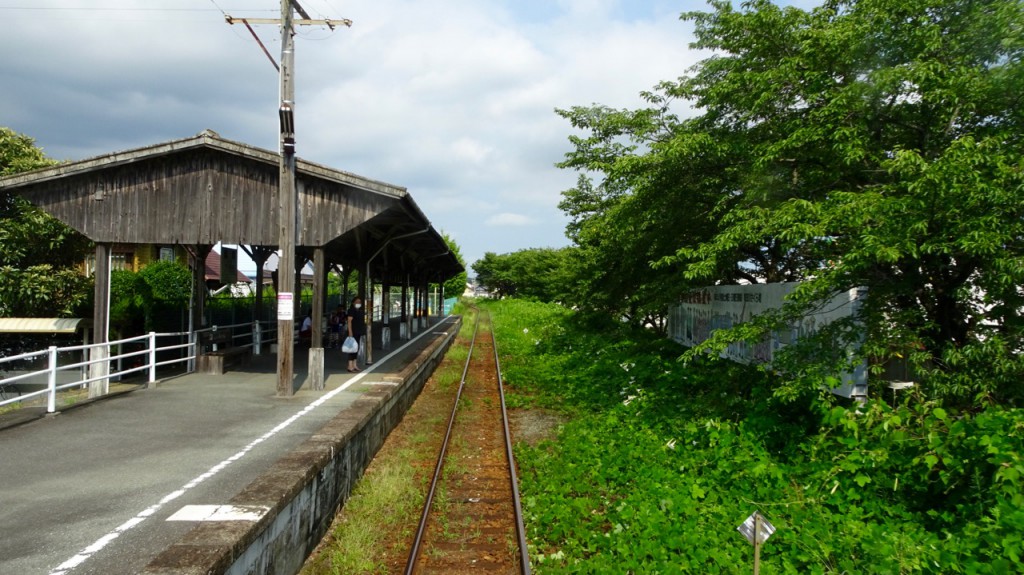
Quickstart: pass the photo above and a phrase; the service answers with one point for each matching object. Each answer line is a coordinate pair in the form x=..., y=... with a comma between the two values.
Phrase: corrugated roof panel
x=42, y=324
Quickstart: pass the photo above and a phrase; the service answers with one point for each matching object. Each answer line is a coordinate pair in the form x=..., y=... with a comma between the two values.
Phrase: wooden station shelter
x=198, y=191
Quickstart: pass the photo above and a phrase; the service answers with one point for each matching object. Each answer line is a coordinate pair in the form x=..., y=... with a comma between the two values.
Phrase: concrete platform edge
x=304, y=489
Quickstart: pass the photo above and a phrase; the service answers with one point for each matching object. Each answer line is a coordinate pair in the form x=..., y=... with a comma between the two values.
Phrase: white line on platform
x=219, y=513
x=102, y=542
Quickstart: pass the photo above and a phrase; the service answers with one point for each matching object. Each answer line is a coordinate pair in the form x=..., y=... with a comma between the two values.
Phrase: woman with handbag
x=356, y=322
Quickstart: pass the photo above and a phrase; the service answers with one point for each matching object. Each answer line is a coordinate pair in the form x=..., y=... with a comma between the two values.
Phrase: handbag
x=350, y=345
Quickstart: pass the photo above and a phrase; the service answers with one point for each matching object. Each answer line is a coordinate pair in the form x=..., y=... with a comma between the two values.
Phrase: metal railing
x=139, y=352
x=146, y=349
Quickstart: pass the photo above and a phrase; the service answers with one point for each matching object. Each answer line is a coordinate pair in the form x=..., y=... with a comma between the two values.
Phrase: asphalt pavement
x=90, y=490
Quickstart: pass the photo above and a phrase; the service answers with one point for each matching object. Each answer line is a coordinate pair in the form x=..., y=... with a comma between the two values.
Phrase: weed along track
x=472, y=519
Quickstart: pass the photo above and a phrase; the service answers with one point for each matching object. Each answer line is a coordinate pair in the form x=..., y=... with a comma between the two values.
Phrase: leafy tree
x=536, y=273
x=869, y=143
x=38, y=254
x=454, y=286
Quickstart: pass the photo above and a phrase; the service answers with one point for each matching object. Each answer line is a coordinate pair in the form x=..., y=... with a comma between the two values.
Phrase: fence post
x=193, y=350
x=152, y=356
x=256, y=333
x=51, y=397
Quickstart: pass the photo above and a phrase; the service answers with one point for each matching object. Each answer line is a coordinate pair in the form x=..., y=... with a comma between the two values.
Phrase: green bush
x=660, y=461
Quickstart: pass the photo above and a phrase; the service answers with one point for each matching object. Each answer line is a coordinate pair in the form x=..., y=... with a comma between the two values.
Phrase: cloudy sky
x=453, y=99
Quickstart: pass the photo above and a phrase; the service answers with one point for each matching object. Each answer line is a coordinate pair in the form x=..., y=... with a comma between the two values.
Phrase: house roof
x=213, y=269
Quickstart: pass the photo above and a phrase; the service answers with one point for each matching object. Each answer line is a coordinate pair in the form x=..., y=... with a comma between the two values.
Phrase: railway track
x=472, y=518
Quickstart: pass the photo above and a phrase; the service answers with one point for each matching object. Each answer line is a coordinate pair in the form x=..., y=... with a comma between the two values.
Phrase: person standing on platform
x=356, y=322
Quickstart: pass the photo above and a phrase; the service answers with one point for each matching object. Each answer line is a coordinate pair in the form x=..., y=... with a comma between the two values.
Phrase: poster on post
x=285, y=307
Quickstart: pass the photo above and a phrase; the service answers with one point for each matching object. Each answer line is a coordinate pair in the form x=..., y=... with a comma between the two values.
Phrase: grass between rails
x=660, y=461
x=372, y=532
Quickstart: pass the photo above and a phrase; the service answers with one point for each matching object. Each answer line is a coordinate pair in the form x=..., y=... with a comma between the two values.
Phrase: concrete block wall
x=303, y=491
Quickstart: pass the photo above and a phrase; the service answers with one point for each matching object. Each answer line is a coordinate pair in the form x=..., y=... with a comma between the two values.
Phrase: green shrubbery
x=660, y=461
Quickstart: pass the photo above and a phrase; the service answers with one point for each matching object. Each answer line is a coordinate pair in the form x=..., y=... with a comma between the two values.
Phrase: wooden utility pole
x=287, y=195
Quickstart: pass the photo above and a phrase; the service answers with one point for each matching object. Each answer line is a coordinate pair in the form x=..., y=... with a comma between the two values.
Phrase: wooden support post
x=385, y=313
x=199, y=290
x=259, y=257
x=405, y=333
x=425, y=295
x=101, y=315
x=300, y=262
x=316, y=347
x=346, y=275
x=369, y=318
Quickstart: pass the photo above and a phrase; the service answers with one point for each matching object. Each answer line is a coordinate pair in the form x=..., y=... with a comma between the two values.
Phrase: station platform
x=105, y=487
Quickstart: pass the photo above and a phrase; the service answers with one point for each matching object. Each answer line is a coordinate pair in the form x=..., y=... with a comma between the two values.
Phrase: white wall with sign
x=705, y=310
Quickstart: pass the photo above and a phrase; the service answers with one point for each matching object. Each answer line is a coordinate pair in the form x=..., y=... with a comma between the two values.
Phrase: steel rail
x=524, y=554
x=421, y=530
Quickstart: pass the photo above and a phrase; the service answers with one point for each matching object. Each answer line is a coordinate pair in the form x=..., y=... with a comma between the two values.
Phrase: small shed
x=43, y=326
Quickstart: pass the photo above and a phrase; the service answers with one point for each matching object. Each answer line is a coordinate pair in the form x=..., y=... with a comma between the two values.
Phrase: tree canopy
x=872, y=143
x=540, y=274
x=455, y=285
x=38, y=254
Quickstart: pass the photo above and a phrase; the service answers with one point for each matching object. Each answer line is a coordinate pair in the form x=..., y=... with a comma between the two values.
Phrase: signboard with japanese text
x=693, y=320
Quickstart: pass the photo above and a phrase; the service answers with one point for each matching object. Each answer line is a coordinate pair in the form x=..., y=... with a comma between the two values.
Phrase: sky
x=452, y=99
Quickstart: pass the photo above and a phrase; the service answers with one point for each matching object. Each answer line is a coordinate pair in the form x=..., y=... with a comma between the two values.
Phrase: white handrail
x=149, y=351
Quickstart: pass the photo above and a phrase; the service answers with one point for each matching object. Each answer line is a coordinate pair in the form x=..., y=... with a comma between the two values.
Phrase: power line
x=87, y=9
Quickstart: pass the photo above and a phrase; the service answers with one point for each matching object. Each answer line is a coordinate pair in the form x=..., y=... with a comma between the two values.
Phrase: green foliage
x=168, y=281
x=18, y=153
x=870, y=143
x=455, y=285
x=136, y=296
x=540, y=274
x=345, y=292
x=43, y=291
x=660, y=461
x=37, y=252
x=28, y=236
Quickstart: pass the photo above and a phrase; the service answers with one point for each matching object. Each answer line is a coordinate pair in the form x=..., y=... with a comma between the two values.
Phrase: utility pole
x=287, y=194
x=287, y=197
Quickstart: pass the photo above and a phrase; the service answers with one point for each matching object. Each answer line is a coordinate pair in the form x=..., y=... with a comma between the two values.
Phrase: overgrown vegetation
x=661, y=460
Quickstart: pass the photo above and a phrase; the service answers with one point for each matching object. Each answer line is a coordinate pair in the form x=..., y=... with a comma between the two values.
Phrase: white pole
x=152, y=356
x=51, y=397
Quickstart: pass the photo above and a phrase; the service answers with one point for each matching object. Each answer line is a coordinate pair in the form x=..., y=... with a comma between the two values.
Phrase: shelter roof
x=42, y=324
x=207, y=189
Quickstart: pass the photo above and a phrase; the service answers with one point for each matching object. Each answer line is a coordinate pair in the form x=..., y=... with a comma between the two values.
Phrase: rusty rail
x=524, y=558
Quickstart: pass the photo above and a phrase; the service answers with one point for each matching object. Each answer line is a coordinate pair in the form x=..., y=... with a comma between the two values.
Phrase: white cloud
x=453, y=99
x=506, y=219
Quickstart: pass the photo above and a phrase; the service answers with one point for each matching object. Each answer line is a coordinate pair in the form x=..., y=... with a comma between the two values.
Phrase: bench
x=217, y=361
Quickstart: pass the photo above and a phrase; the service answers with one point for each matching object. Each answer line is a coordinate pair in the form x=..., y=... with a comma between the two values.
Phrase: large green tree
x=536, y=273
x=871, y=143
x=38, y=254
